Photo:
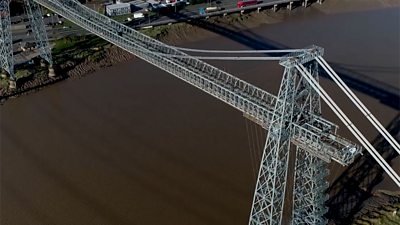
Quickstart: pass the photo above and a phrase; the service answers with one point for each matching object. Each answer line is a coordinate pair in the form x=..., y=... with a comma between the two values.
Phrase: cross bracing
x=38, y=29
x=292, y=117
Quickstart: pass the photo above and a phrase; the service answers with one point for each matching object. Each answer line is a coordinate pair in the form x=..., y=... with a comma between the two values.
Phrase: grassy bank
x=382, y=209
x=77, y=48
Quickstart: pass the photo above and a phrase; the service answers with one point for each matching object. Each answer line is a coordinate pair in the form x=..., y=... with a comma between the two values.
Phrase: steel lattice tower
x=34, y=13
x=296, y=100
x=271, y=183
x=6, y=51
x=310, y=171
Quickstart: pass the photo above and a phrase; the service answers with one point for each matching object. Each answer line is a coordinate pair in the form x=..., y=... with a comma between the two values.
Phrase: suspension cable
x=358, y=103
x=252, y=156
x=233, y=58
x=360, y=137
x=238, y=51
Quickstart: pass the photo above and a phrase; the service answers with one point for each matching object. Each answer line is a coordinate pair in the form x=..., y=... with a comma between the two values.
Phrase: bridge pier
x=51, y=73
x=3, y=73
x=275, y=7
x=12, y=83
x=320, y=1
x=305, y=3
x=42, y=63
x=225, y=14
x=258, y=9
x=241, y=12
x=289, y=6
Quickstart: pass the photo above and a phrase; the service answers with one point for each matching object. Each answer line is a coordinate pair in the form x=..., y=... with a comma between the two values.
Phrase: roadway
x=192, y=12
x=20, y=32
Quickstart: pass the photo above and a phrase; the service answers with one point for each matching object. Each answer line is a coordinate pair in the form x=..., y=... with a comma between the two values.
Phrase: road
x=192, y=12
x=189, y=12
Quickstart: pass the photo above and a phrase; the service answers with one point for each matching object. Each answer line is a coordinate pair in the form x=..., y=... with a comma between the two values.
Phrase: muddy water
x=134, y=145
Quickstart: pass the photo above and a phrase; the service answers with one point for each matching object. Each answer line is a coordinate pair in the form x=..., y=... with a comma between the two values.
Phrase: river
x=134, y=145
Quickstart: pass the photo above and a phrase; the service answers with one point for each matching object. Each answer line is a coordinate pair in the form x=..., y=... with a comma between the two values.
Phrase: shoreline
x=177, y=34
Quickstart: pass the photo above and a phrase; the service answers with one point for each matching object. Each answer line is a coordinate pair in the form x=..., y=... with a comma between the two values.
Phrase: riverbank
x=382, y=208
x=79, y=56
x=72, y=62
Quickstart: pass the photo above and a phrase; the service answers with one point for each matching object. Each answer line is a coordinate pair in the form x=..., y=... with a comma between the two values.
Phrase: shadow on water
x=386, y=94
x=349, y=191
x=354, y=186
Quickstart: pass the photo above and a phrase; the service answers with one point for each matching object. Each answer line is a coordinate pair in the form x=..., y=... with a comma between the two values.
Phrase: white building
x=118, y=9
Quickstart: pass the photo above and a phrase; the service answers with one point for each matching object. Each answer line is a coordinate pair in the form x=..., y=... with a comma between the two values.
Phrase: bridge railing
x=324, y=145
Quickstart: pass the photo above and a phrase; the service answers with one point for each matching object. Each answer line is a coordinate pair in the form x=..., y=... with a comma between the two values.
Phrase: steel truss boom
x=245, y=97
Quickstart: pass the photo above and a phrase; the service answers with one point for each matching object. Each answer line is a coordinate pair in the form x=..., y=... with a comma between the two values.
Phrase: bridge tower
x=6, y=51
x=309, y=184
x=296, y=100
x=34, y=13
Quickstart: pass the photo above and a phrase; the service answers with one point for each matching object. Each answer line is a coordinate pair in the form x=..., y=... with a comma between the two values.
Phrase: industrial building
x=118, y=9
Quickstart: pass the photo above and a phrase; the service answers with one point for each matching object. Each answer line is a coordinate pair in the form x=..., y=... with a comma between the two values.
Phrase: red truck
x=244, y=3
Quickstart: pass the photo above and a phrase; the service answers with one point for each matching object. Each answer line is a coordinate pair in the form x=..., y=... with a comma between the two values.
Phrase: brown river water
x=134, y=145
